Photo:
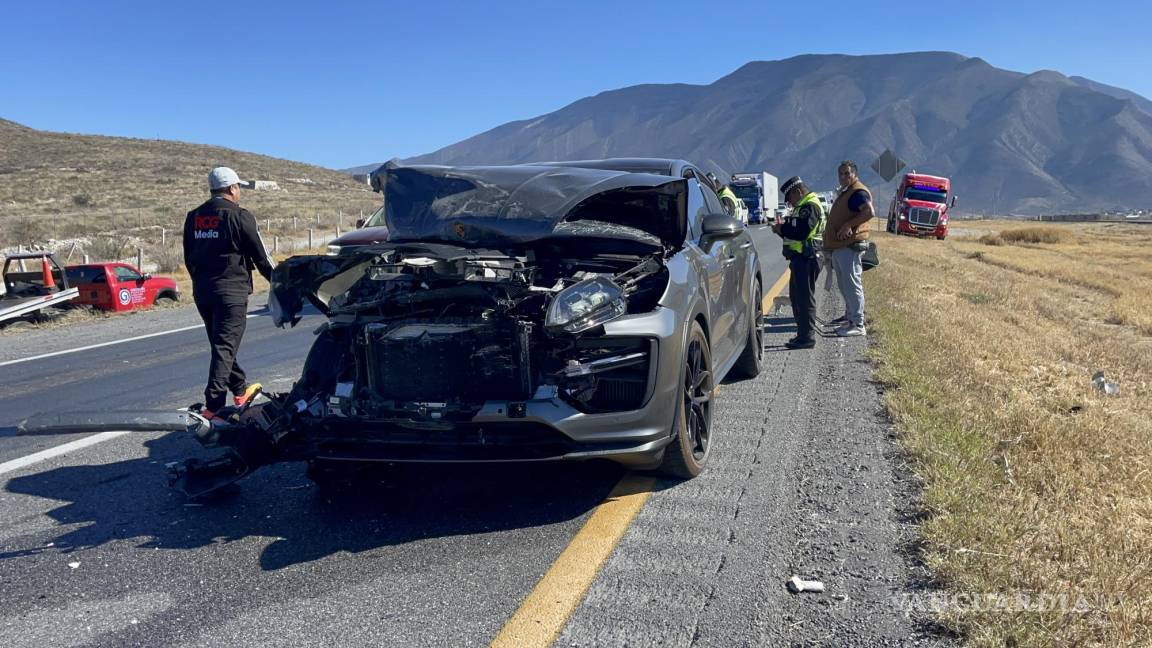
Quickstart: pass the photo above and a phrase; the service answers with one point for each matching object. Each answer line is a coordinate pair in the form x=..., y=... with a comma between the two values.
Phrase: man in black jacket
x=802, y=232
x=221, y=248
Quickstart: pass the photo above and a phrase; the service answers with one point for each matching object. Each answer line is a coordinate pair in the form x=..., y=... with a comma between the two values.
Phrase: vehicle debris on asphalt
x=516, y=313
x=797, y=585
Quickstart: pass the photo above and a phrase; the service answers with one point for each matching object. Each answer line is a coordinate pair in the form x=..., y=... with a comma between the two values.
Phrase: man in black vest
x=221, y=248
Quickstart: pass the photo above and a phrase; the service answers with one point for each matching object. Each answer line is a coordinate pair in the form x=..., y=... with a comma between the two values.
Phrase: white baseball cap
x=222, y=177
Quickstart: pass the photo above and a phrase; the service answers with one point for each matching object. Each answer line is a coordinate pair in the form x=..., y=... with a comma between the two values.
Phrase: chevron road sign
x=887, y=165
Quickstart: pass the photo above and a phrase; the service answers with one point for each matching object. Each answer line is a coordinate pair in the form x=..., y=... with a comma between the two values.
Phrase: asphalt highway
x=96, y=551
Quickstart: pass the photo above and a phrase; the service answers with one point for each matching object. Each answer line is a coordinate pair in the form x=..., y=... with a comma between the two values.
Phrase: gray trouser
x=846, y=261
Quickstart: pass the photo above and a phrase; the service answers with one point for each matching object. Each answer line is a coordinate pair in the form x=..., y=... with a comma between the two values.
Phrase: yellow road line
x=776, y=289
x=545, y=611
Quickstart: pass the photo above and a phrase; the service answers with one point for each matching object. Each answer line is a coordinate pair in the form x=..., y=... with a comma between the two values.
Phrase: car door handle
x=745, y=246
x=730, y=260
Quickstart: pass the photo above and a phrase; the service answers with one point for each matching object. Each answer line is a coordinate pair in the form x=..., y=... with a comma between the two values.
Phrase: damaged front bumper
x=547, y=427
x=627, y=423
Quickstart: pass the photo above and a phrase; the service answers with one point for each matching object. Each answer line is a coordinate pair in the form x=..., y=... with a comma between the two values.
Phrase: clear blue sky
x=347, y=83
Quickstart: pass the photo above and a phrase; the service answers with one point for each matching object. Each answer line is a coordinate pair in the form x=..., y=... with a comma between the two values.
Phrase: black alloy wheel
x=686, y=455
x=698, y=400
x=751, y=360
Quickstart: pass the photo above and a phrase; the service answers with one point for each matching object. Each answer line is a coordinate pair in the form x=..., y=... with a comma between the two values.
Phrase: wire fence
x=151, y=238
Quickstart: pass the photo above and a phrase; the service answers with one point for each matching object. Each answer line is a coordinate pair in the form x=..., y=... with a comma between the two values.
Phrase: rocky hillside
x=1012, y=142
x=61, y=184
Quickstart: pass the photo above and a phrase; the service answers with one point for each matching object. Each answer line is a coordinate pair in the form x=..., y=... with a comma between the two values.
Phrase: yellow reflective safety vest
x=791, y=247
x=738, y=206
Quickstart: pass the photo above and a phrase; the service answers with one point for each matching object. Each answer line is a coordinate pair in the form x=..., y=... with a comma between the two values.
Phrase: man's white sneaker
x=851, y=330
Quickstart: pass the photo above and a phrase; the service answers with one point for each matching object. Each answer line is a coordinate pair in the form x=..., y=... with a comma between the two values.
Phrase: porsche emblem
x=459, y=229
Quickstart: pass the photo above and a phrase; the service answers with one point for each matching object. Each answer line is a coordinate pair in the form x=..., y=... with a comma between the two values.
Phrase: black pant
x=802, y=293
x=225, y=316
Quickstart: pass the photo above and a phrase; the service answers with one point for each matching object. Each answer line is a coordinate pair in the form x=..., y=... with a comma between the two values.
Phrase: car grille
x=446, y=360
x=619, y=393
x=923, y=216
x=621, y=389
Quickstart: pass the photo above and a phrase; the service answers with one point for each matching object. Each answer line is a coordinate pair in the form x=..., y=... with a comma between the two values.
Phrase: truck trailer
x=759, y=192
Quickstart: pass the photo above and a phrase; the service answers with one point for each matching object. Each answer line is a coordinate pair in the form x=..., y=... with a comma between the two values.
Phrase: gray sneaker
x=851, y=330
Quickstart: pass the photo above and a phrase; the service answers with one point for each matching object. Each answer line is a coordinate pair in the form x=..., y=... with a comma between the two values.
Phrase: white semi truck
x=760, y=192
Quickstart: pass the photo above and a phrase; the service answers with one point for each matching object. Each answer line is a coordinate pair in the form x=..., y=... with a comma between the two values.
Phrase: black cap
x=790, y=184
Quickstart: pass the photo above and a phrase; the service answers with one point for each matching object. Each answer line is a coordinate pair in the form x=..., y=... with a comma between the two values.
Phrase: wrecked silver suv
x=517, y=313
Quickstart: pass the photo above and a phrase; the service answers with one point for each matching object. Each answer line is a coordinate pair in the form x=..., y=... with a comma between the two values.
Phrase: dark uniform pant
x=802, y=293
x=225, y=317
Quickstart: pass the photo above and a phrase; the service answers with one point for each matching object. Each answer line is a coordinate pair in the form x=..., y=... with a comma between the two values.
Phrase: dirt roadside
x=807, y=479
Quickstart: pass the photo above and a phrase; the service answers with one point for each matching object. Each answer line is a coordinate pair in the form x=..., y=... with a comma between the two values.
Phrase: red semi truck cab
x=119, y=286
x=921, y=205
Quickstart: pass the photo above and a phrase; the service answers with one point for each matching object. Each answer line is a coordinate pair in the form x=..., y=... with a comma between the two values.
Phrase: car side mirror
x=721, y=226
x=953, y=202
x=359, y=223
x=145, y=277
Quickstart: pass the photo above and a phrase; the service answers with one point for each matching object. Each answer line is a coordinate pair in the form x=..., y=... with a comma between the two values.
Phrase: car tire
x=691, y=445
x=751, y=360
x=939, y=238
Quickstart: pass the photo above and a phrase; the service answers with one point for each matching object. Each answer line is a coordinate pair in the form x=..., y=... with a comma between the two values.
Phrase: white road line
x=36, y=457
x=104, y=344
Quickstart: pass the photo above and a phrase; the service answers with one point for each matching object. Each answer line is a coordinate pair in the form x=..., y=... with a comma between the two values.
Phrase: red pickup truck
x=118, y=286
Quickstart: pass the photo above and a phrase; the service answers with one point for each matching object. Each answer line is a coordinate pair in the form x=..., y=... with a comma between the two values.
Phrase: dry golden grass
x=1037, y=234
x=1037, y=484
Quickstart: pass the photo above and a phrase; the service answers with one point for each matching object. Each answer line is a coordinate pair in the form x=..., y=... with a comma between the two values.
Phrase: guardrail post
x=310, y=238
x=140, y=259
x=163, y=236
x=275, y=245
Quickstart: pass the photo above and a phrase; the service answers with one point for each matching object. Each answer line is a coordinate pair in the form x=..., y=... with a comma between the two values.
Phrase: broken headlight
x=586, y=304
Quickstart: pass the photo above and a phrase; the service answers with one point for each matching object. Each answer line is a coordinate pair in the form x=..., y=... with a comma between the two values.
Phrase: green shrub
x=168, y=258
x=108, y=248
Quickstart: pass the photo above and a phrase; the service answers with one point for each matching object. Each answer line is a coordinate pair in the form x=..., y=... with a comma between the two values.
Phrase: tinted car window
x=85, y=275
x=126, y=274
x=714, y=206
x=697, y=209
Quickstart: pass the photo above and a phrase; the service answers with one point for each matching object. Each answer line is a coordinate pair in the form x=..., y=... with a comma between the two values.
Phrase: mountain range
x=1012, y=142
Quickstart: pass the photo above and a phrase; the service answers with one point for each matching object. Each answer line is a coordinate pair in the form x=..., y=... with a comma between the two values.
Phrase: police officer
x=732, y=204
x=221, y=248
x=802, y=231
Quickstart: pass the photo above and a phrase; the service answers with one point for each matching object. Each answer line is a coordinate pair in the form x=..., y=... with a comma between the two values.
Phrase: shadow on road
x=780, y=324
x=128, y=501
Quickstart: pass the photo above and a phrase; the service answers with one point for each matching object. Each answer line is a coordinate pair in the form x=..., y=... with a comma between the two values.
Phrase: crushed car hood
x=496, y=206
x=318, y=278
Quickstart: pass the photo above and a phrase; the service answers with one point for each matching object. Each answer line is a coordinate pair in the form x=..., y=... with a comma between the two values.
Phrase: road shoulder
x=807, y=479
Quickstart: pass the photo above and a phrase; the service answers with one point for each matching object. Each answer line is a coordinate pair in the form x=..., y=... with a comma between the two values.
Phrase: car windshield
x=926, y=195
x=376, y=219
